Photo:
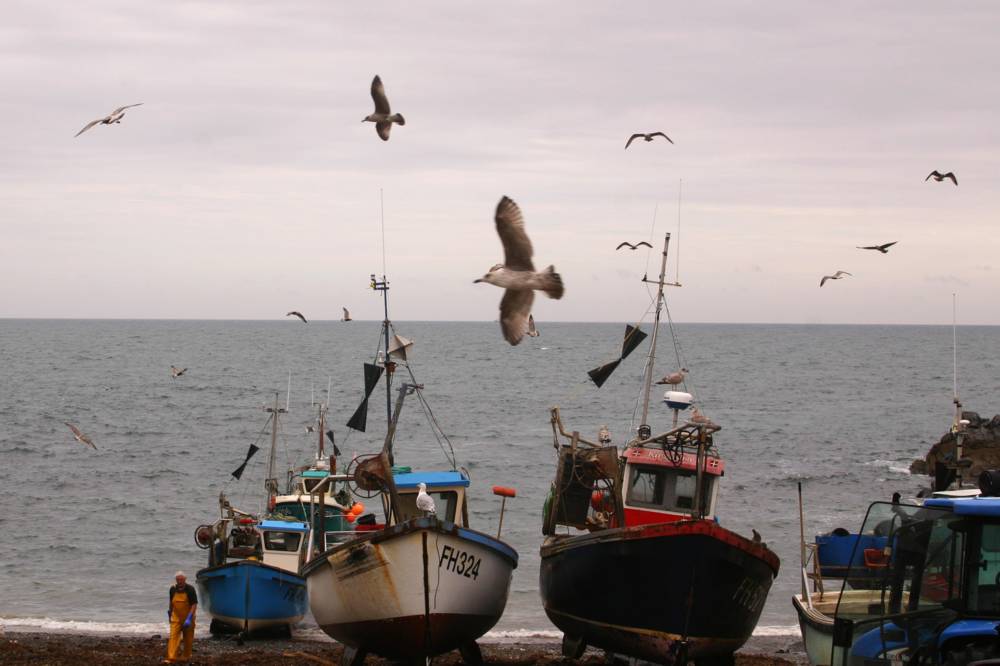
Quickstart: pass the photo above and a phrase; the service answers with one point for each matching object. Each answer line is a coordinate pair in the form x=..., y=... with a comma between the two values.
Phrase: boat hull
x=414, y=590
x=640, y=590
x=817, y=632
x=247, y=595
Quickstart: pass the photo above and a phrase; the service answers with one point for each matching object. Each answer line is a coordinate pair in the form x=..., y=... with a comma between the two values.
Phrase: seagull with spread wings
x=347, y=315
x=80, y=437
x=383, y=116
x=936, y=175
x=177, y=372
x=836, y=276
x=297, y=314
x=110, y=119
x=646, y=137
x=633, y=247
x=517, y=274
x=532, y=331
x=884, y=248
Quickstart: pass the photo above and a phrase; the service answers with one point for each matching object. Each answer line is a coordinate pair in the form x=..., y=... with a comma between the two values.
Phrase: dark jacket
x=192, y=595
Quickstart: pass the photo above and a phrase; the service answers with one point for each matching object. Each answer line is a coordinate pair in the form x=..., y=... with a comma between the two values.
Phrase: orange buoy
x=351, y=517
x=503, y=491
x=357, y=508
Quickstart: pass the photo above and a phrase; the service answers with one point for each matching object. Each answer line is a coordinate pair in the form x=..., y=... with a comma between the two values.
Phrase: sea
x=91, y=539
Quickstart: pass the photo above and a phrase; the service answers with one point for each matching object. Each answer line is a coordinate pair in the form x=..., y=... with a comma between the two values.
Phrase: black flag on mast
x=633, y=338
x=360, y=419
x=239, y=470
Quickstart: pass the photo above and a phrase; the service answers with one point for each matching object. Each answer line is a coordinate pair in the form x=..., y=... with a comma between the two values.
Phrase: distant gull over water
x=884, y=249
x=633, y=247
x=941, y=176
x=836, y=276
x=347, y=315
x=647, y=137
x=674, y=378
x=517, y=274
x=177, y=372
x=110, y=119
x=383, y=116
x=297, y=314
x=532, y=331
x=80, y=437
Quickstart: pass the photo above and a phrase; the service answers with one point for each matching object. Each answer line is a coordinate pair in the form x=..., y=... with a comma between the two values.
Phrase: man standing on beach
x=181, y=612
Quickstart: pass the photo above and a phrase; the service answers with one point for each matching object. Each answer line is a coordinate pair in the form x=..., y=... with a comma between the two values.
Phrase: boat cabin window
x=282, y=541
x=665, y=488
x=445, y=504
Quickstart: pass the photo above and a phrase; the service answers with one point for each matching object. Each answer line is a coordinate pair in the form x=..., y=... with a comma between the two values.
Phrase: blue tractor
x=936, y=598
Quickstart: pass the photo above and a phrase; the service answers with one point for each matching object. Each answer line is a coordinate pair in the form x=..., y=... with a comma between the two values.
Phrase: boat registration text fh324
x=459, y=562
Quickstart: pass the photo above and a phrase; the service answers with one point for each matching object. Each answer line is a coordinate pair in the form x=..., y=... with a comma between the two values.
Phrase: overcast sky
x=246, y=185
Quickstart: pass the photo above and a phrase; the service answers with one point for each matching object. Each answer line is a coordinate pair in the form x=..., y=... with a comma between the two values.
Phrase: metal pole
x=656, y=328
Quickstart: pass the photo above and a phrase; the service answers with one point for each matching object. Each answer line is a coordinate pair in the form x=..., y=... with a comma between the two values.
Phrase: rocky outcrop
x=980, y=451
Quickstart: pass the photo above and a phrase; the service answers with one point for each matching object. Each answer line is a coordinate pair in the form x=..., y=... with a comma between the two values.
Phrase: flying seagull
x=347, y=315
x=297, y=314
x=383, y=117
x=517, y=275
x=674, y=378
x=647, y=137
x=80, y=437
x=425, y=502
x=177, y=372
x=836, y=276
x=633, y=247
x=941, y=176
x=112, y=118
x=884, y=249
x=532, y=331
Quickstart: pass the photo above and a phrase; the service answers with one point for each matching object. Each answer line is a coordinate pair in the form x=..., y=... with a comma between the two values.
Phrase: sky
x=246, y=184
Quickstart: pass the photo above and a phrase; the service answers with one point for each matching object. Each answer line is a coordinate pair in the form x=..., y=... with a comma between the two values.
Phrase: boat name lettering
x=460, y=562
x=750, y=594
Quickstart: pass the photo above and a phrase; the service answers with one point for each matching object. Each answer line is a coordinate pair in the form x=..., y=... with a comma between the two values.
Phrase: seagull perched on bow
x=836, y=276
x=884, y=249
x=941, y=176
x=80, y=437
x=112, y=118
x=633, y=247
x=383, y=116
x=674, y=378
x=297, y=314
x=647, y=137
x=517, y=275
x=425, y=502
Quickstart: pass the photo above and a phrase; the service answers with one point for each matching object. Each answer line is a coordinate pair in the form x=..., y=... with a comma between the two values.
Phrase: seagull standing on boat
x=80, y=437
x=836, y=276
x=517, y=275
x=674, y=378
x=383, y=116
x=425, y=502
x=297, y=314
x=112, y=118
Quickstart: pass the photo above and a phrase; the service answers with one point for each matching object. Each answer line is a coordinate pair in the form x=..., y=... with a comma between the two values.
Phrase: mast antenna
x=288, y=392
x=660, y=284
x=954, y=351
x=677, y=275
x=381, y=205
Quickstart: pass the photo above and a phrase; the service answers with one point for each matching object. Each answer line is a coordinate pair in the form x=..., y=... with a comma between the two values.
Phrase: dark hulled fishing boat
x=655, y=575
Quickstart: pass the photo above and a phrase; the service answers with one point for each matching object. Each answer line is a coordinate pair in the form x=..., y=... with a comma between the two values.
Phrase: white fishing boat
x=421, y=582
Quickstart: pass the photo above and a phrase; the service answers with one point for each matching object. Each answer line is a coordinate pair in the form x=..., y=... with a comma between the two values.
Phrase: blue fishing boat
x=252, y=582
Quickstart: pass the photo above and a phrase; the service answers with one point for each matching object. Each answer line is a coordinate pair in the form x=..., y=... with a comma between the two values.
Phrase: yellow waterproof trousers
x=178, y=613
